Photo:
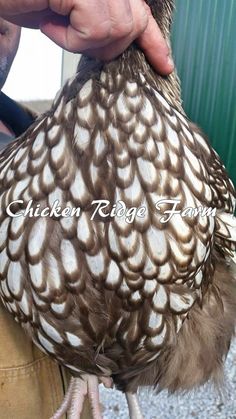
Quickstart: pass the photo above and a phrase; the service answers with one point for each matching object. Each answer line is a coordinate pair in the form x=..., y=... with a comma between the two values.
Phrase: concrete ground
x=204, y=403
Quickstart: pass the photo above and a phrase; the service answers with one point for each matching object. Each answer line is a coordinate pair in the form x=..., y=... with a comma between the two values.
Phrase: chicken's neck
x=132, y=62
x=162, y=11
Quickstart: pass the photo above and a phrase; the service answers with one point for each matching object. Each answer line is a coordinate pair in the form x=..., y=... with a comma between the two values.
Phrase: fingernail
x=170, y=61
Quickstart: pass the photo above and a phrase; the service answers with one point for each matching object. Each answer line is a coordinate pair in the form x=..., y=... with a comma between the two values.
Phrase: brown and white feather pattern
x=103, y=294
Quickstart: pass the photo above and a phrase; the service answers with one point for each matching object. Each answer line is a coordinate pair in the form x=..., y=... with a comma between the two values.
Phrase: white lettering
x=12, y=214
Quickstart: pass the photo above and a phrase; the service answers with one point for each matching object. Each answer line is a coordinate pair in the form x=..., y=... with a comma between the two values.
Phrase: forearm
x=13, y=7
x=21, y=12
x=31, y=12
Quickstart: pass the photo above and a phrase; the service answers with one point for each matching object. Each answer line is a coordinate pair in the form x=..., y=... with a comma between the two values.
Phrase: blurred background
x=204, y=35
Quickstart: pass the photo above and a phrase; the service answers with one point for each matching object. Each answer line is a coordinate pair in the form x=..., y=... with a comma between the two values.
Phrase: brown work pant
x=31, y=384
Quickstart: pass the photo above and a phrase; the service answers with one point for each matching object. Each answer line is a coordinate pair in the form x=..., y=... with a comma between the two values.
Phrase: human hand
x=113, y=27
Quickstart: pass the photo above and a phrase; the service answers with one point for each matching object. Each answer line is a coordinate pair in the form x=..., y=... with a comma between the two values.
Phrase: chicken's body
x=146, y=302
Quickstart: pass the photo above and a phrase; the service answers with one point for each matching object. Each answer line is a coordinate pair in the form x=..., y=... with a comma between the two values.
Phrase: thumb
x=155, y=47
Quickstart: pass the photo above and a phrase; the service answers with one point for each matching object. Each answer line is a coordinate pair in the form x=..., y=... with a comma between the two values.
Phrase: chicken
x=117, y=234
